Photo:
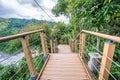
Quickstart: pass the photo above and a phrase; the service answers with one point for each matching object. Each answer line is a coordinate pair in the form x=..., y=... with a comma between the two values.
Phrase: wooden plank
x=106, y=63
x=114, y=38
x=76, y=73
x=28, y=55
x=65, y=69
x=90, y=75
x=62, y=63
x=66, y=66
x=49, y=77
x=57, y=70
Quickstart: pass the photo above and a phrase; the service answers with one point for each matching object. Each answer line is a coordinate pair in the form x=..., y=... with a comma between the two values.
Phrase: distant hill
x=9, y=26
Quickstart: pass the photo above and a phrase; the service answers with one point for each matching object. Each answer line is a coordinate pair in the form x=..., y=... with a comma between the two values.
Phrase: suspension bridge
x=62, y=62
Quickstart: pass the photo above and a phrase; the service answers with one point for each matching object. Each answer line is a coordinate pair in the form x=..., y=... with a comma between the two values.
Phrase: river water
x=6, y=59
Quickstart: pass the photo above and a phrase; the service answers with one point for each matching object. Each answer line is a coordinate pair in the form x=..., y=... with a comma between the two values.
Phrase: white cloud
x=49, y=4
x=28, y=9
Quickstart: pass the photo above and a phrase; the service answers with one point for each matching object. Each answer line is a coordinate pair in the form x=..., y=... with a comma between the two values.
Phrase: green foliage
x=85, y=14
x=59, y=9
x=61, y=32
x=21, y=69
x=14, y=26
x=46, y=27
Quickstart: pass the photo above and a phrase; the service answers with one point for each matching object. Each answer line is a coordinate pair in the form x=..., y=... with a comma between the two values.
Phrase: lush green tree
x=60, y=8
x=102, y=14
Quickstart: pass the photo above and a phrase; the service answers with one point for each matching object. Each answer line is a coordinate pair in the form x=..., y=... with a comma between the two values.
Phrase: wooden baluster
x=82, y=44
x=28, y=55
x=43, y=43
x=51, y=45
x=106, y=63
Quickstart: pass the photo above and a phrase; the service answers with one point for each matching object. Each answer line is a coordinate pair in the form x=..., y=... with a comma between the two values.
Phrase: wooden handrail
x=3, y=39
x=108, y=51
x=113, y=38
x=78, y=36
x=71, y=39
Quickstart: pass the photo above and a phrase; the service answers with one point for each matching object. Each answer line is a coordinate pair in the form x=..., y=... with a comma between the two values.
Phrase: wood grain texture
x=106, y=63
x=28, y=55
x=109, y=37
x=64, y=67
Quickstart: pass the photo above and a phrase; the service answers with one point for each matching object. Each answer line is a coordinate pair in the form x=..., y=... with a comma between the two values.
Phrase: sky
x=28, y=9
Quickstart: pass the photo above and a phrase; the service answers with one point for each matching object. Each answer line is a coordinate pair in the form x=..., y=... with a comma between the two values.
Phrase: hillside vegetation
x=13, y=26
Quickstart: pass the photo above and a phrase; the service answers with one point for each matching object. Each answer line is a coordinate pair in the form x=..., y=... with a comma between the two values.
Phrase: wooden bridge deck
x=64, y=66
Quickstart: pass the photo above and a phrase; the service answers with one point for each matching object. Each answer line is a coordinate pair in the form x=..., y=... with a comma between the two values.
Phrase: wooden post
x=106, y=63
x=55, y=50
x=51, y=45
x=69, y=41
x=46, y=45
x=43, y=43
x=76, y=41
x=73, y=46
x=54, y=44
x=28, y=55
x=70, y=44
x=82, y=44
x=79, y=46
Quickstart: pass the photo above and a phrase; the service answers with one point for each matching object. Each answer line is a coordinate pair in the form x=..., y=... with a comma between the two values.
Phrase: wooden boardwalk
x=64, y=49
x=62, y=66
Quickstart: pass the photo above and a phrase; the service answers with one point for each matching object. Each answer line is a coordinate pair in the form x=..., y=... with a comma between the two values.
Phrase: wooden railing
x=3, y=39
x=73, y=43
x=26, y=47
x=108, y=51
x=53, y=44
x=109, y=37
